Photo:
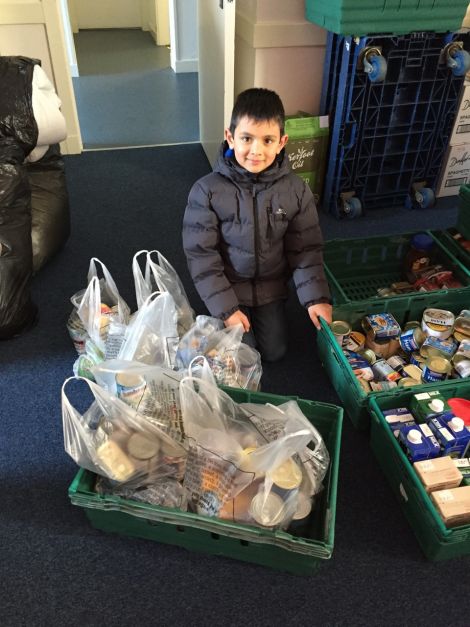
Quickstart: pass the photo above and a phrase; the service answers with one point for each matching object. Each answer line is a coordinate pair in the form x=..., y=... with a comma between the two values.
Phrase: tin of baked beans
x=411, y=339
x=436, y=369
x=437, y=347
x=438, y=323
x=341, y=330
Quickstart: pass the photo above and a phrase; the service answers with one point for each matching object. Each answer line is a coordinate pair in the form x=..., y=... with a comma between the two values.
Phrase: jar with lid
x=418, y=257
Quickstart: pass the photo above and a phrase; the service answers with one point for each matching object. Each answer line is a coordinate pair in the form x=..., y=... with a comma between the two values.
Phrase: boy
x=250, y=225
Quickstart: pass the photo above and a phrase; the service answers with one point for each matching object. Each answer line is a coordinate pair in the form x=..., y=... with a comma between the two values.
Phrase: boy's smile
x=256, y=144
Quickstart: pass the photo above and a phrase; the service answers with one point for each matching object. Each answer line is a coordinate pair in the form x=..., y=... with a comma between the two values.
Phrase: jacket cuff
x=319, y=301
x=228, y=313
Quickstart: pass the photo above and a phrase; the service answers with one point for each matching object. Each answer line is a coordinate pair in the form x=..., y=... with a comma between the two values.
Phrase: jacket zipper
x=256, y=230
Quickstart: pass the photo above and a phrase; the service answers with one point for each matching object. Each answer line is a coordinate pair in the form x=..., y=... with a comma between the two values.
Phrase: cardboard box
x=438, y=474
x=455, y=170
x=307, y=148
x=453, y=505
x=461, y=130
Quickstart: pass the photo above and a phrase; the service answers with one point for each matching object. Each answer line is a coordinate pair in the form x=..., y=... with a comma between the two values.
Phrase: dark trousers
x=268, y=332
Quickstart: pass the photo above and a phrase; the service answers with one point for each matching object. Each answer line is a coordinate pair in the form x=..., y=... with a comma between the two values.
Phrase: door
x=216, y=44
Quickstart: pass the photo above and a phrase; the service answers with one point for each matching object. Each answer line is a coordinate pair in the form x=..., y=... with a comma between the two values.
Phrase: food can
x=412, y=371
x=437, y=347
x=417, y=359
x=369, y=355
x=411, y=339
x=384, y=348
x=412, y=324
x=355, y=341
x=396, y=362
x=382, y=386
x=341, y=330
x=381, y=326
x=463, y=352
x=267, y=509
x=130, y=388
x=463, y=368
x=462, y=322
x=407, y=382
x=384, y=372
x=438, y=323
x=460, y=337
x=436, y=369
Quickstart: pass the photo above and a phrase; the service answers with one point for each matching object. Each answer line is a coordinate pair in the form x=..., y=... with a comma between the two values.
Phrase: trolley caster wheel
x=376, y=67
x=459, y=62
x=352, y=208
x=425, y=198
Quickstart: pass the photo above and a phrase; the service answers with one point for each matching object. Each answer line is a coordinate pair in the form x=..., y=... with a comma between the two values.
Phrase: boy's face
x=256, y=144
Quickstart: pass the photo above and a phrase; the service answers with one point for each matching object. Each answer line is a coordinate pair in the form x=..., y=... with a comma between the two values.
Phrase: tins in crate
x=436, y=369
x=381, y=326
x=438, y=323
x=411, y=339
x=341, y=330
x=436, y=347
x=462, y=323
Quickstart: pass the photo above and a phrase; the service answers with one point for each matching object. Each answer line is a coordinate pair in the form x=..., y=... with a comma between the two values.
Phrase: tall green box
x=307, y=148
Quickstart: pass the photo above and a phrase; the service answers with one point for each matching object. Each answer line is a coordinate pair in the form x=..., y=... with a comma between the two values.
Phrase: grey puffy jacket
x=245, y=235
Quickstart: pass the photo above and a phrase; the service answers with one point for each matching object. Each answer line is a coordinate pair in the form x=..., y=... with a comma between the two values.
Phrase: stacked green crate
x=276, y=549
x=436, y=540
x=355, y=400
x=447, y=238
x=366, y=17
x=357, y=268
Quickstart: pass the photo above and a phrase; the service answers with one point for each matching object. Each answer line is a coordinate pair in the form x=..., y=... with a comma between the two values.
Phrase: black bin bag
x=49, y=206
x=18, y=136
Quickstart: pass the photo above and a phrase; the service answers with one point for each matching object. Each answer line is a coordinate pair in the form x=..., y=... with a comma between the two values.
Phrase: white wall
x=69, y=43
x=183, y=33
x=277, y=48
x=108, y=13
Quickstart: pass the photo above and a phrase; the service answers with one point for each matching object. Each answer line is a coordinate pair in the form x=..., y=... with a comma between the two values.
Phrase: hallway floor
x=128, y=95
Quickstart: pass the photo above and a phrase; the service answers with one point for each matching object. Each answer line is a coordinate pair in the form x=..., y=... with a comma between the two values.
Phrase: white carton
x=461, y=130
x=455, y=170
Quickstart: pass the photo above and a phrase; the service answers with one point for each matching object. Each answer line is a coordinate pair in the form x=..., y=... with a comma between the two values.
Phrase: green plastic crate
x=355, y=401
x=446, y=238
x=356, y=268
x=276, y=549
x=436, y=540
x=368, y=17
x=463, y=219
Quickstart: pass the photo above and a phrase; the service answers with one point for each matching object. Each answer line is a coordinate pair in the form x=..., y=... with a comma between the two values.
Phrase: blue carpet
x=55, y=569
x=138, y=108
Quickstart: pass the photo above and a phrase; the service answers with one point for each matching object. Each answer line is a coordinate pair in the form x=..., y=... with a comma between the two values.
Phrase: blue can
x=436, y=369
x=411, y=339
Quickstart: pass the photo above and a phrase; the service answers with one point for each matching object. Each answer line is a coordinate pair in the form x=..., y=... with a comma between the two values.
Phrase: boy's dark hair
x=260, y=105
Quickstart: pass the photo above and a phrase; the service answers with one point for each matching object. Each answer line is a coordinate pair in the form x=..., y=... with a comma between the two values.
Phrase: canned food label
x=408, y=341
x=430, y=376
x=382, y=325
x=439, y=317
x=446, y=348
x=463, y=368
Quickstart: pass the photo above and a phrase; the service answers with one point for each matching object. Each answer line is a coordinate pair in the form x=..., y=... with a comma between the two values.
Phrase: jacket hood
x=228, y=166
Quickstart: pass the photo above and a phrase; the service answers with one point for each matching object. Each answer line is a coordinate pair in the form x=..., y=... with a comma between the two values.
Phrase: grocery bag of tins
x=159, y=275
x=113, y=440
x=95, y=309
x=232, y=362
x=429, y=350
x=151, y=337
x=234, y=471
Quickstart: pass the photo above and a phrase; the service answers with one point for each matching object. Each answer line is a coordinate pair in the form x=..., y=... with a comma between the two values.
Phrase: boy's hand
x=325, y=310
x=238, y=318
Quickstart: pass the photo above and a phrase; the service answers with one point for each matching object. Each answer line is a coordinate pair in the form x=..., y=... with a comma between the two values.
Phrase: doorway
x=126, y=92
